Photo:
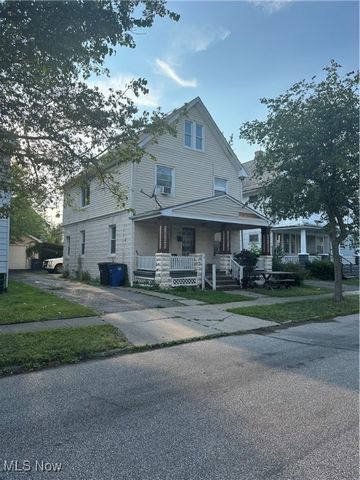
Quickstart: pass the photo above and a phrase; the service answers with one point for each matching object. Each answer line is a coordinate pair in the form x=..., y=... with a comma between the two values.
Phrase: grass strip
x=292, y=291
x=27, y=351
x=23, y=303
x=319, y=309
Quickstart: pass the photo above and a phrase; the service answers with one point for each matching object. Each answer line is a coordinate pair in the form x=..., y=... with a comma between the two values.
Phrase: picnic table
x=275, y=279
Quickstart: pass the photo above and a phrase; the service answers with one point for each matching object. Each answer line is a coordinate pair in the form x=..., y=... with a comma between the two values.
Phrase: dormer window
x=85, y=195
x=194, y=135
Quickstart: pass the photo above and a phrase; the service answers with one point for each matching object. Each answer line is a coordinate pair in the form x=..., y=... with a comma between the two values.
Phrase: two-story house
x=302, y=239
x=184, y=210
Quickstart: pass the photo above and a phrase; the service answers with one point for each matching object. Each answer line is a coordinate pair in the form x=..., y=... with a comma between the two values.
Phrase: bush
x=84, y=276
x=298, y=272
x=277, y=260
x=248, y=259
x=321, y=269
x=66, y=274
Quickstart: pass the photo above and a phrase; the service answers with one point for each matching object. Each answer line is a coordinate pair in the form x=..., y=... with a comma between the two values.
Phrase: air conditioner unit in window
x=164, y=190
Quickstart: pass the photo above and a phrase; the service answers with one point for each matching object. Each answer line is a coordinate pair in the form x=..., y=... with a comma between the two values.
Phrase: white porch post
x=303, y=255
x=303, y=247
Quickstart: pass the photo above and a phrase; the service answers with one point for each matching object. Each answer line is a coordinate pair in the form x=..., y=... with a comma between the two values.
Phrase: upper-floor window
x=82, y=239
x=68, y=246
x=85, y=195
x=112, y=239
x=194, y=135
x=220, y=186
x=165, y=180
x=253, y=198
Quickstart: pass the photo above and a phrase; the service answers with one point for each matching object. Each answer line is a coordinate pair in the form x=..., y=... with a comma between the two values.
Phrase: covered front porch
x=178, y=246
x=302, y=243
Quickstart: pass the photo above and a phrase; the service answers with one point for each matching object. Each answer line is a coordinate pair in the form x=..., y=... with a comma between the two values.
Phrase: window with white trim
x=194, y=135
x=112, y=239
x=82, y=238
x=220, y=186
x=85, y=195
x=68, y=246
x=165, y=183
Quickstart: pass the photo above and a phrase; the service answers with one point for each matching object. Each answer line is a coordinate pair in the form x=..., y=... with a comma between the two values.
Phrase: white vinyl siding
x=194, y=172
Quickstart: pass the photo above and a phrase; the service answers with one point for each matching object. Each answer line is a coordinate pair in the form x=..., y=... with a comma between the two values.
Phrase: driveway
x=277, y=407
x=103, y=299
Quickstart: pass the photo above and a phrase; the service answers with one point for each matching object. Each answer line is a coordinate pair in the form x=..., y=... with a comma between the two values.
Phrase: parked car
x=53, y=265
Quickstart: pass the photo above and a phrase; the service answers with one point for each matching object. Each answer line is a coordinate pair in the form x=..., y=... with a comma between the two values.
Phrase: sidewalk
x=158, y=325
x=154, y=326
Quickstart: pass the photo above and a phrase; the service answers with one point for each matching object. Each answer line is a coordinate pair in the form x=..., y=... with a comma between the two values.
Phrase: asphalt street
x=278, y=406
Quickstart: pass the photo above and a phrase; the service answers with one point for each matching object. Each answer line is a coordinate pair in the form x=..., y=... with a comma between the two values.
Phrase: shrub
x=66, y=274
x=248, y=259
x=277, y=260
x=85, y=276
x=298, y=272
x=321, y=269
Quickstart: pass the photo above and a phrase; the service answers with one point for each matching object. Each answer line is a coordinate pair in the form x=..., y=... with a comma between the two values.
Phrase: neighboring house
x=301, y=240
x=193, y=220
x=18, y=258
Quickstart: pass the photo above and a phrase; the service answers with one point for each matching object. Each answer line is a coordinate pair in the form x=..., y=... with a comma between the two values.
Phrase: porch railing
x=145, y=263
x=182, y=263
x=177, y=263
x=295, y=258
x=237, y=271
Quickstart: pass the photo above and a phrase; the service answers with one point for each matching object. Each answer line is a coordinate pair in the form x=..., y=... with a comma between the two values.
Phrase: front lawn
x=292, y=291
x=23, y=303
x=208, y=296
x=351, y=281
x=68, y=345
x=305, y=310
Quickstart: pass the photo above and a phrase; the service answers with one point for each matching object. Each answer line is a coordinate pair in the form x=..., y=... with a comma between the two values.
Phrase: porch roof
x=220, y=209
x=309, y=228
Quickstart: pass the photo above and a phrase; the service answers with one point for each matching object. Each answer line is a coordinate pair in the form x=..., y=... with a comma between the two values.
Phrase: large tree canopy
x=53, y=123
x=310, y=164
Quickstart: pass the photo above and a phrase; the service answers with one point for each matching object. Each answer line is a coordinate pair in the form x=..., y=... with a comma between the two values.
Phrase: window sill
x=195, y=149
x=112, y=255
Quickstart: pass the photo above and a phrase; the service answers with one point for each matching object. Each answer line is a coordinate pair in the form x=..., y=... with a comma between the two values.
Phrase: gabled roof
x=222, y=209
x=174, y=115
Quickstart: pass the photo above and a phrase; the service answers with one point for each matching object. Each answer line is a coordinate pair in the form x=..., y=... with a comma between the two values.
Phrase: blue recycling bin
x=117, y=274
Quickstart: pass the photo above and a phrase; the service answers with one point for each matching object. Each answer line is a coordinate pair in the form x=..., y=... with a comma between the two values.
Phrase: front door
x=188, y=241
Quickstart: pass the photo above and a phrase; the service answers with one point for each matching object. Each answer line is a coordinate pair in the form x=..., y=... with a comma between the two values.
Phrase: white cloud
x=197, y=39
x=270, y=6
x=167, y=70
x=119, y=82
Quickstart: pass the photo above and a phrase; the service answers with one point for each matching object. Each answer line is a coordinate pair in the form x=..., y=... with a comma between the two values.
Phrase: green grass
x=305, y=310
x=23, y=303
x=68, y=345
x=208, y=296
x=292, y=291
x=352, y=281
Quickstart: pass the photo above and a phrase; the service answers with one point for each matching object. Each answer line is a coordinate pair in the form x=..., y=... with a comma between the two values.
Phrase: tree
x=53, y=123
x=310, y=140
x=25, y=220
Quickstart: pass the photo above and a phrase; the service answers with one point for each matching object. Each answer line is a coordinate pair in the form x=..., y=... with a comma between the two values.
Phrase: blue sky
x=233, y=53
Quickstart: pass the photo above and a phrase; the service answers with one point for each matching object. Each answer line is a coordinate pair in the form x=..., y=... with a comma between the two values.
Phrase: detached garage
x=18, y=259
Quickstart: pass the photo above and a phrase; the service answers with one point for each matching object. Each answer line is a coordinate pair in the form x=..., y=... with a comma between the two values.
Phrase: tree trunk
x=337, y=271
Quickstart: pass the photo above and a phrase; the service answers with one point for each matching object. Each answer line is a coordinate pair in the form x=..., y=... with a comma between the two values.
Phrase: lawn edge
x=131, y=349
